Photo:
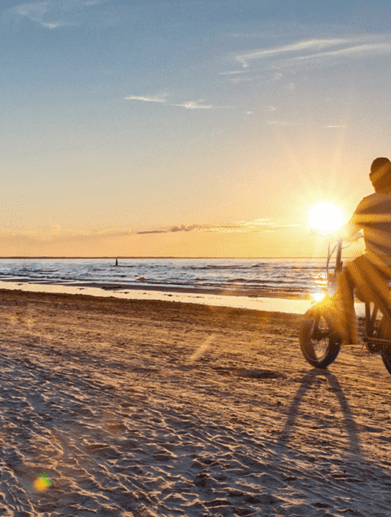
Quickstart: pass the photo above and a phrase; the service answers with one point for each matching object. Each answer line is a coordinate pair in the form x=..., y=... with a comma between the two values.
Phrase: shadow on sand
x=335, y=387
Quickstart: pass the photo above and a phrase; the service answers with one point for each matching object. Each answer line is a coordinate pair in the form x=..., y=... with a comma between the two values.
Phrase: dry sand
x=142, y=408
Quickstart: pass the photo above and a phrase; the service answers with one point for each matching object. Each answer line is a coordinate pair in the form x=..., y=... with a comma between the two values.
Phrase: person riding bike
x=371, y=271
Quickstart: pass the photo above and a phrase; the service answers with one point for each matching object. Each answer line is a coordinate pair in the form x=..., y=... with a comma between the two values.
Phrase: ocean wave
x=309, y=267
x=218, y=267
x=266, y=275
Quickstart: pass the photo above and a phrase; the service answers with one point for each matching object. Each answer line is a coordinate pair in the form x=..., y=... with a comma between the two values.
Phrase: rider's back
x=373, y=215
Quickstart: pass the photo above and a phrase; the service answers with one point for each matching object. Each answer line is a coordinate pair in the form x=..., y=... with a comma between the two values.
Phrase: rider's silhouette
x=369, y=272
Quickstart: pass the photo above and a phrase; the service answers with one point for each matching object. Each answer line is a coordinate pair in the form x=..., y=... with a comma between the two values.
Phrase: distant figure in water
x=116, y=262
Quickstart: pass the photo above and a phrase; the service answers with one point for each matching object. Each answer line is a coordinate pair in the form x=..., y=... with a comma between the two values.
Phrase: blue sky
x=224, y=120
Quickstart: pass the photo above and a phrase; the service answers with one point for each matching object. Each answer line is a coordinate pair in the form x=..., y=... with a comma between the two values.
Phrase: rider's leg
x=370, y=279
x=341, y=309
x=346, y=295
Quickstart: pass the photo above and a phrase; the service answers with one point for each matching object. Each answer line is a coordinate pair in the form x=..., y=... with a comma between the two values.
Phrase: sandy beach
x=136, y=408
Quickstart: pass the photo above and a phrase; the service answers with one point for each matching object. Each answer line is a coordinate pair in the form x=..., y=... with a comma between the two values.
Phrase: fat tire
x=385, y=333
x=332, y=342
x=386, y=357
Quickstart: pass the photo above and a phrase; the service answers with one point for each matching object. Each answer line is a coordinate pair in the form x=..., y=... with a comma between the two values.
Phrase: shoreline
x=270, y=302
x=112, y=286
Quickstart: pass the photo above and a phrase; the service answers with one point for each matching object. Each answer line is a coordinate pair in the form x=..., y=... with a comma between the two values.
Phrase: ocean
x=282, y=285
x=249, y=277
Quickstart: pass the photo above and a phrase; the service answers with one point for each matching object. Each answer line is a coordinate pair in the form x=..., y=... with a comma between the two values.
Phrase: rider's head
x=380, y=175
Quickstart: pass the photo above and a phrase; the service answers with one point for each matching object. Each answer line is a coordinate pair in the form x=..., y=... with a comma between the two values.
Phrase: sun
x=326, y=217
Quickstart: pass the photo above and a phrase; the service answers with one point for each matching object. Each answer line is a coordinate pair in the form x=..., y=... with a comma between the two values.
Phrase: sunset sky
x=188, y=127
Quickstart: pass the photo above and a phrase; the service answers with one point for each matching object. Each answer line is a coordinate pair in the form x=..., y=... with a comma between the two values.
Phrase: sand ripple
x=116, y=404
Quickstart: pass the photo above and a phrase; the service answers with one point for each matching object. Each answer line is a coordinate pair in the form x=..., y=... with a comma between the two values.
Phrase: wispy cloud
x=258, y=225
x=300, y=46
x=233, y=72
x=192, y=105
x=42, y=13
x=52, y=14
x=174, y=229
x=152, y=231
x=147, y=98
x=56, y=234
x=354, y=51
x=326, y=51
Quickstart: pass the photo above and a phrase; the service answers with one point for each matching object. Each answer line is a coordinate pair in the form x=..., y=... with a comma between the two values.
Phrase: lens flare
x=326, y=217
x=42, y=483
x=318, y=296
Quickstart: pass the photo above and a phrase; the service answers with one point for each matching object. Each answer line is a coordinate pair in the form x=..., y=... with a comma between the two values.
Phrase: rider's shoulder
x=376, y=197
x=372, y=200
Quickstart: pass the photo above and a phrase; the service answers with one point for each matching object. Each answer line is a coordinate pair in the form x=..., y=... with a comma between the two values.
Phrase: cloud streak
x=192, y=105
x=258, y=225
x=326, y=51
x=58, y=235
x=53, y=14
x=233, y=72
x=146, y=98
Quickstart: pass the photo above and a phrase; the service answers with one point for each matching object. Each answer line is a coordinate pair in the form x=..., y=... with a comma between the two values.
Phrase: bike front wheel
x=319, y=343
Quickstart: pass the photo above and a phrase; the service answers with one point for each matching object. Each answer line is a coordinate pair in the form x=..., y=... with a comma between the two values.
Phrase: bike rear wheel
x=319, y=344
x=385, y=333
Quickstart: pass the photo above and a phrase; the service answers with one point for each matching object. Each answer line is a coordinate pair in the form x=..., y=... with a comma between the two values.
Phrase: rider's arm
x=350, y=230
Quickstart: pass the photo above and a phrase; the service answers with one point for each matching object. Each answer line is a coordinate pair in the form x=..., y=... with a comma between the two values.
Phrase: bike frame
x=374, y=344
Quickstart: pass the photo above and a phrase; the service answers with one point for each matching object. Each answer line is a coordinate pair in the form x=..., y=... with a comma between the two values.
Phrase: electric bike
x=320, y=342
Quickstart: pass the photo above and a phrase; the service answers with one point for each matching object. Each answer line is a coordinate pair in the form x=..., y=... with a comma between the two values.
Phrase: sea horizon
x=272, y=284
x=170, y=257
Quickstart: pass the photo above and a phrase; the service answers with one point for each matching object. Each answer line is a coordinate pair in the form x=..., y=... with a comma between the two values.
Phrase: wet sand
x=111, y=286
x=262, y=301
x=150, y=408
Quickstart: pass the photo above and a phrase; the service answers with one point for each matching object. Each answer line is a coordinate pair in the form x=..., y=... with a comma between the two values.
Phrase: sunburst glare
x=326, y=217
